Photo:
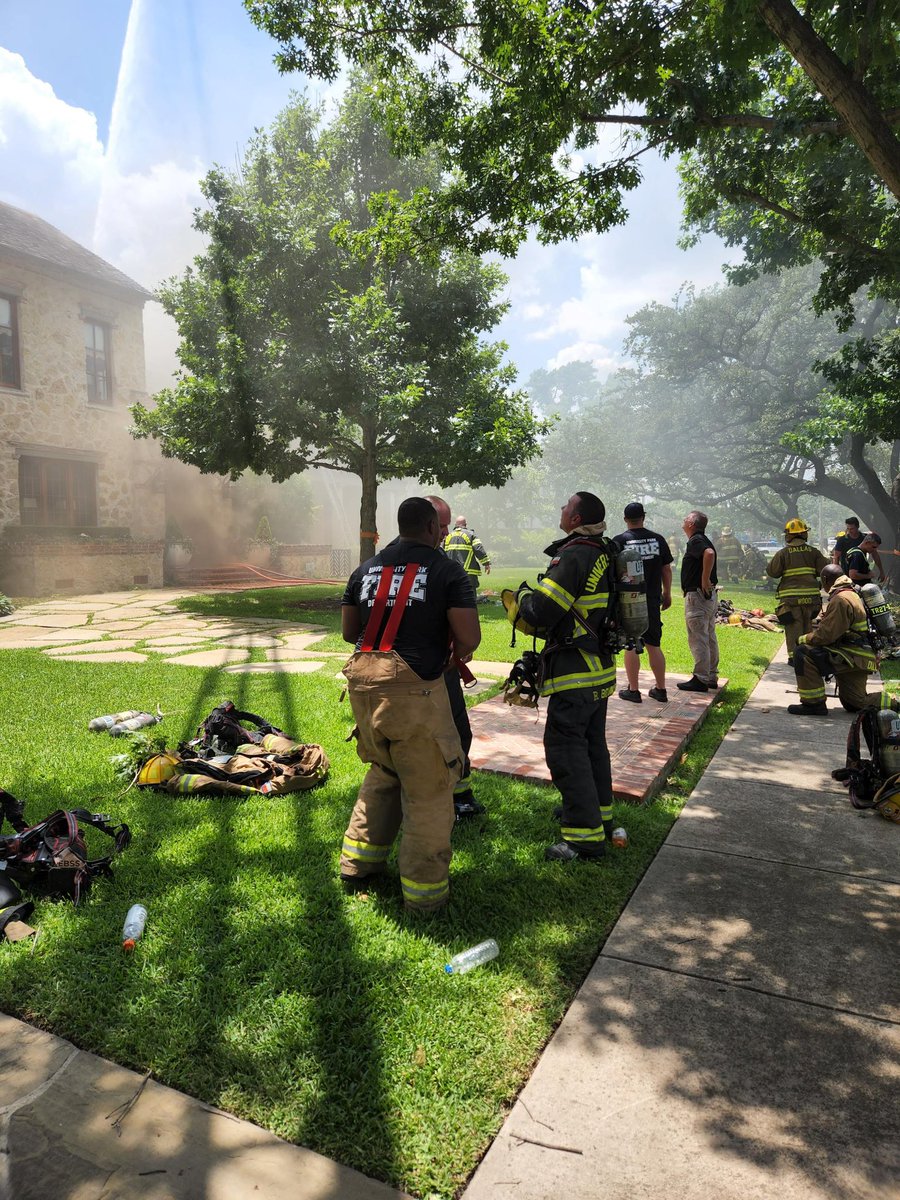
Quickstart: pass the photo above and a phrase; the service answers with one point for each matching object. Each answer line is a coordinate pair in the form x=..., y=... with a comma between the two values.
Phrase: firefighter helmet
x=157, y=770
x=796, y=525
x=510, y=601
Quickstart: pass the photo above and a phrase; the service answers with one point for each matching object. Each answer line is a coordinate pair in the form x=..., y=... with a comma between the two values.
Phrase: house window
x=9, y=343
x=55, y=491
x=96, y=362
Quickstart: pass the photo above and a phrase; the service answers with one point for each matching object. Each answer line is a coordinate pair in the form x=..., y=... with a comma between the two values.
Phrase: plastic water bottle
x=619, y=837
x=473, y=957
x=134, y=926
x=100, y=724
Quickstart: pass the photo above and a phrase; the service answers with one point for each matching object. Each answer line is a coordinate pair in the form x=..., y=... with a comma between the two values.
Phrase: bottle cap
x=448, y=968
x=128, y=944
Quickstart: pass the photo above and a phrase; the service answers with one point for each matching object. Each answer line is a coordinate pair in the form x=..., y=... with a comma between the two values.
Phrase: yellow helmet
x=509, y=600
x=796, y=525
x=157, y=770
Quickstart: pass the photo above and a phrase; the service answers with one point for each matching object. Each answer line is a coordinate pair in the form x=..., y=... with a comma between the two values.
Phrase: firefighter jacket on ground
x=797, y=567
x=580, y=579
x=465, y=547
x=843, y=629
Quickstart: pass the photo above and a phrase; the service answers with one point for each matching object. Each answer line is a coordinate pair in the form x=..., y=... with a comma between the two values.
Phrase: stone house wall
x=49, y=415
x=46, y=568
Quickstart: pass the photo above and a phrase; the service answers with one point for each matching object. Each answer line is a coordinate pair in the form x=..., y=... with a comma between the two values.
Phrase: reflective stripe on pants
x=578, y=760
x=405, y=732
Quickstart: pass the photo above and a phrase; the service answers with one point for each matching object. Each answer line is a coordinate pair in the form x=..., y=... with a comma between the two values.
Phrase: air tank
x=631, y=587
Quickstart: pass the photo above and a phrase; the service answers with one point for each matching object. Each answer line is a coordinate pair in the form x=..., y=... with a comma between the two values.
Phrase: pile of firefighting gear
x=746, y=618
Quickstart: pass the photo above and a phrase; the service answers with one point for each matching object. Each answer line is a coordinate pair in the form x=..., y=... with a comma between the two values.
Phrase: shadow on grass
x=262, y=988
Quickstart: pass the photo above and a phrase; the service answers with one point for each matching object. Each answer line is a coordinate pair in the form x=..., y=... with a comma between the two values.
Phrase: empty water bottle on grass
x=135, y=921
x=620, y=837
x=473, y=957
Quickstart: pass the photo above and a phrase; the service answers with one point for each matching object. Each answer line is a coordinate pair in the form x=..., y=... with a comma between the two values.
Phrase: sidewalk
x=739, y=1036
x=59, y=1139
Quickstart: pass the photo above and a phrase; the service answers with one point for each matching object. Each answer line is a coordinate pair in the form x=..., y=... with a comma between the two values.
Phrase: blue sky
x=111, y=111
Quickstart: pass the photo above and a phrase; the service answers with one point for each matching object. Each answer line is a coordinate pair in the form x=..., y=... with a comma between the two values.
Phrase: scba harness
x=225, y=729
x=50, y=858
x=874, y=783
x=524, y=684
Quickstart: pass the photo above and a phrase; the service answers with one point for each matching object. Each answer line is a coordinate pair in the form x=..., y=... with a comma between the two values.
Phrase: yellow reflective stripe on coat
x=424, y=893
x=574, y=833
x=364, y=851
x=555, y=592
x=805, y=593
x=596, y=675
x=587, y=604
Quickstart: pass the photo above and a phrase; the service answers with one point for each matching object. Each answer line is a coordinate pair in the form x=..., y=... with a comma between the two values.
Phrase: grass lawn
x=259, y=986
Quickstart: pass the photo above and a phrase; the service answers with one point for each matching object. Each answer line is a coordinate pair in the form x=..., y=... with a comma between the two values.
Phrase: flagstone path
x=135, y=627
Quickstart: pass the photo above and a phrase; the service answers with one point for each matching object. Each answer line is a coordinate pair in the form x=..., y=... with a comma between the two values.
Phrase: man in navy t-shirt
x=656, y=559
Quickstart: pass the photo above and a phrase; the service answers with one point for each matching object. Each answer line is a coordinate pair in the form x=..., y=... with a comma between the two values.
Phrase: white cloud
x=601, y=356
x=51, y=157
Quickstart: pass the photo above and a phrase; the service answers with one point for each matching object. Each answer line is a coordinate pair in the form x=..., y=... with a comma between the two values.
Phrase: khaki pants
x=405, y=732
x=700, y=617
x=851, y=681
x=804, y=615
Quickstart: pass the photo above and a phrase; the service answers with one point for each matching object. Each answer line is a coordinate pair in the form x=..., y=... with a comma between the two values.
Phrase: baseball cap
x=634, y=510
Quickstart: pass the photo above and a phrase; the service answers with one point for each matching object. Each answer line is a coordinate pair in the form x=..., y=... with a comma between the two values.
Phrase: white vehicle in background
x=767, y=547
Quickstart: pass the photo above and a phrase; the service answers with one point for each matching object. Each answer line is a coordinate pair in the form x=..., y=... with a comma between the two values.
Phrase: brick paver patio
x=645, y=740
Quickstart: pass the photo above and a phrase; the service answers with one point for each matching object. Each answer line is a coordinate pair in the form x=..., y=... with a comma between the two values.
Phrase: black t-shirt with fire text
x=423, y=637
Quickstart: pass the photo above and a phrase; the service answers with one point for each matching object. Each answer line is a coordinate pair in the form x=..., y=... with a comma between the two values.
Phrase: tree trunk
x=368, y=535
x=847, y=96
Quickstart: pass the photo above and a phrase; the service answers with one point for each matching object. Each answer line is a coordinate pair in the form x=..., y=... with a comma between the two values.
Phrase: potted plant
x=262, y=549
x=179, y=547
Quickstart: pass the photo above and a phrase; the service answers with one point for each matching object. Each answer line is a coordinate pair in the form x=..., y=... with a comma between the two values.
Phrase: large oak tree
x=308, y=340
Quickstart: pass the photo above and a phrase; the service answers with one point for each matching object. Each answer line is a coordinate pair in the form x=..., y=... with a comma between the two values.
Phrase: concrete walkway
x=739, y=1036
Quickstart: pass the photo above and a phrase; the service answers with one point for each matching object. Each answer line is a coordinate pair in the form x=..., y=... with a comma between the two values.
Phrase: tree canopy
x=720, y=409
x=519, y=95
x=303, y=343
x=784, y=122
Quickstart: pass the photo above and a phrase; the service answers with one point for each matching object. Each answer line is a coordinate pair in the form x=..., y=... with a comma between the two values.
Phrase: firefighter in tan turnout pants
x=400, y=609
x=797, y=568
x=839, y=646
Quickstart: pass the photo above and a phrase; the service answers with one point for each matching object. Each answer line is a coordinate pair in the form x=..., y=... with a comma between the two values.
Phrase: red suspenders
x=386, y=641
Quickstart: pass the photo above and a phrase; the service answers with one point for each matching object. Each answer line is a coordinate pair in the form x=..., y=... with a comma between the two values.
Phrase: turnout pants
x=813, y=663
x=578, y=760
x=700, y=618
x=804, y=615
x=405, y=732
x=463, y=728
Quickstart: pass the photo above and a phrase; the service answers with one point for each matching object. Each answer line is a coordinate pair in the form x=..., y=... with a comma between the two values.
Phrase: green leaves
x=312, y=336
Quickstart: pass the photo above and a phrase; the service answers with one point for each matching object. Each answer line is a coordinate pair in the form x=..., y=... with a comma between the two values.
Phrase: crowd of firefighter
x=597, y=597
